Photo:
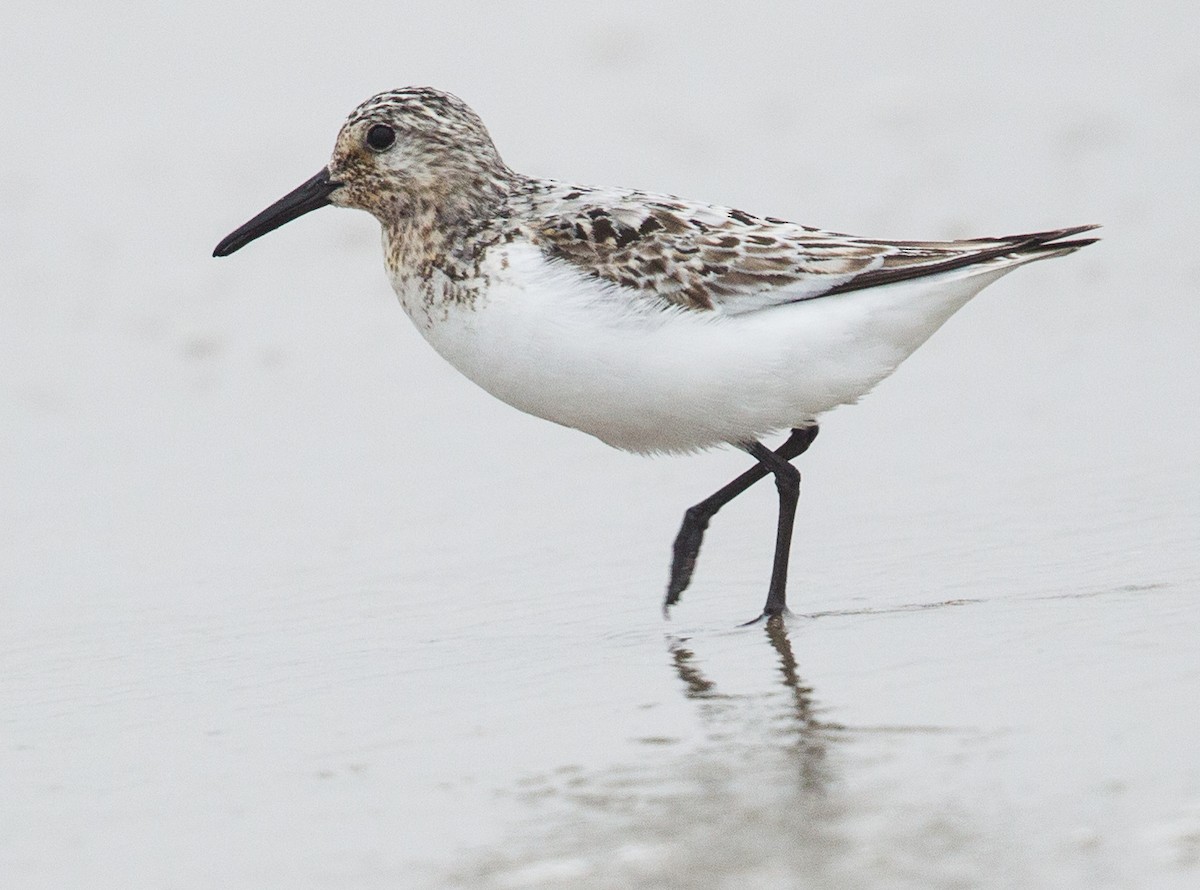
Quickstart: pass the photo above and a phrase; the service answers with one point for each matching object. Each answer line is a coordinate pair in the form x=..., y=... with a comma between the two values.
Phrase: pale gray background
x=285, y=602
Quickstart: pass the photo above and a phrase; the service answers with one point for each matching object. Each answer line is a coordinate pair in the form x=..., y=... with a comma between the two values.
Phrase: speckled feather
x=707, y=257
x=677, y=252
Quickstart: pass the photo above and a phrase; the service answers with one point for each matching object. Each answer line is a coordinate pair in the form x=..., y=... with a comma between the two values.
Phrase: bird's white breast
x=646, y=376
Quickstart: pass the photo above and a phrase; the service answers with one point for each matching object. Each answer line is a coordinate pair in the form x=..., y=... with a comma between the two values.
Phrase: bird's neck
x=445, y=232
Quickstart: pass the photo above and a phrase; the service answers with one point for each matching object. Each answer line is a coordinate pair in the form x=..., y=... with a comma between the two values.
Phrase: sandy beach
x=287, y=602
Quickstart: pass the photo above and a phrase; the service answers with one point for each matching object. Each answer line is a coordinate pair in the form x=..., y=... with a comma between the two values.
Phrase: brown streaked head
x=400, y=152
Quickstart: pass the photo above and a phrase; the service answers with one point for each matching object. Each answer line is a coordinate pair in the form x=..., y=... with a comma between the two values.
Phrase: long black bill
x=313, y=194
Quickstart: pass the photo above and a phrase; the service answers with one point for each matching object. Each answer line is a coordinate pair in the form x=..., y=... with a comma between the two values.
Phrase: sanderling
x=654, y=323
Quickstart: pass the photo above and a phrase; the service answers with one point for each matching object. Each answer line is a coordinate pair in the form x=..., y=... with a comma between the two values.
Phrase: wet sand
x=286, y=602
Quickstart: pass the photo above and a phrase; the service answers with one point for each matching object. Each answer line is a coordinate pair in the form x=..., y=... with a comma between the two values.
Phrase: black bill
x=313, y=194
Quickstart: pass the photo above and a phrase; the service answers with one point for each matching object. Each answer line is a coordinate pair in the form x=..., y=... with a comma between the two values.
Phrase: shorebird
x=654, y=323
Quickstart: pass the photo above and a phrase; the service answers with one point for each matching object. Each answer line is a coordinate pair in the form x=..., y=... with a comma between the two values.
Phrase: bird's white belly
x=569, y=348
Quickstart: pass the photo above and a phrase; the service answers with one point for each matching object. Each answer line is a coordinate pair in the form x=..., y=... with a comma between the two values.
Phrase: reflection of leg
x=694, y=681
x=778, y=635
x=695, y=520
x=810, y=741
x=787, y=481
x=806, y=738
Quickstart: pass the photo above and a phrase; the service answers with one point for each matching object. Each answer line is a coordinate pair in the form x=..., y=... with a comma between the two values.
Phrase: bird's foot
x=684, y=553
x=772, y=614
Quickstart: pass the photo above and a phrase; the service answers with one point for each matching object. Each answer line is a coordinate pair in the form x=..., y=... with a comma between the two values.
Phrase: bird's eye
x=380, y=137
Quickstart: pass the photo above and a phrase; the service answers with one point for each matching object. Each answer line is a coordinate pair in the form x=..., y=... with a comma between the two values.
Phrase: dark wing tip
x=1073, y=244
x=1038, y=239
x=1037, y=244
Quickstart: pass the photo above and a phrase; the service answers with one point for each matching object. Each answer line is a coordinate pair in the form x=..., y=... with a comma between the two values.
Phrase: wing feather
x=708, y=258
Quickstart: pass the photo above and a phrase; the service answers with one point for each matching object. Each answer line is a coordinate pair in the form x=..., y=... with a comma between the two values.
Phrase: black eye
x=380, y=137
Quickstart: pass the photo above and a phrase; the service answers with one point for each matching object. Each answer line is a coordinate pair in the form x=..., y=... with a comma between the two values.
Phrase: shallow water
x=286, y=602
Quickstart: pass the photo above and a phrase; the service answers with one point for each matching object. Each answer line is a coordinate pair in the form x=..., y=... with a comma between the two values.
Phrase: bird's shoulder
x=688, y=253
x=707, y=257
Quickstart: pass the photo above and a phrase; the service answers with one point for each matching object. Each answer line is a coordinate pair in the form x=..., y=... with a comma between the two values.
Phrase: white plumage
x=649, y=376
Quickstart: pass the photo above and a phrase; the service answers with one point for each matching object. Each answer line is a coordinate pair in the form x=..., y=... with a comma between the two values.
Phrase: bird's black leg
x=695, y=520
x=787, y=481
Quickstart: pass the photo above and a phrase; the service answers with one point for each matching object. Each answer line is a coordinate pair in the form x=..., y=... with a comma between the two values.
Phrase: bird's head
x=399, y=154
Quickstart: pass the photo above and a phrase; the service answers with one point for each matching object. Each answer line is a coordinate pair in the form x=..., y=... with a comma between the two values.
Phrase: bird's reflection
x=694, y=683
x=806, y=737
